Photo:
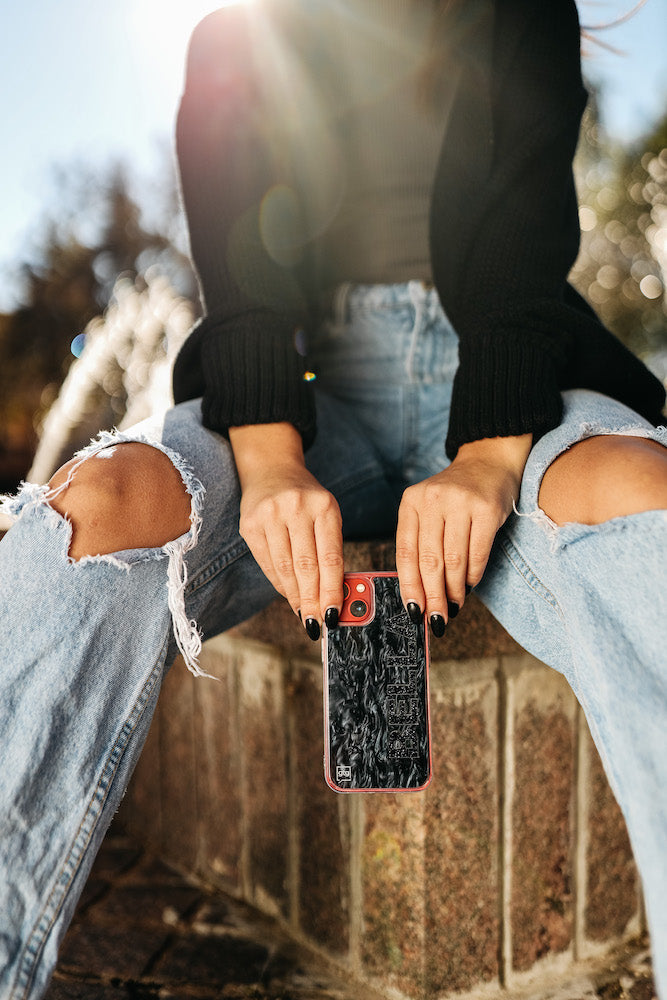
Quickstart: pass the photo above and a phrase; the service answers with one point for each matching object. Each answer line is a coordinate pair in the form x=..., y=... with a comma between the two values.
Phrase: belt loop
x=340, y=303
x=417, y=297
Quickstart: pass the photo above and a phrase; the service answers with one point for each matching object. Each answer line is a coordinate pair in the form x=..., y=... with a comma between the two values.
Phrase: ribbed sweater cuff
x=503, y=387
x=255, y=375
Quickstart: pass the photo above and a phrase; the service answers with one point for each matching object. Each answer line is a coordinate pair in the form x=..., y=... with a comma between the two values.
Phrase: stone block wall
x=514, y=863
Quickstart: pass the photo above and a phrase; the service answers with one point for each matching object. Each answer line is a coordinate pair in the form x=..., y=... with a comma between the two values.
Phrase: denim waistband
x=349, y=298
x=385, y=334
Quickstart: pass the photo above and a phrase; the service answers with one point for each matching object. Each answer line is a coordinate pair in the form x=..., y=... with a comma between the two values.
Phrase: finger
x=253, y=534
x=407, y=559
x=482, y=535
x=259, y=549
x=432, y=565
x=278, y=561
x=306, y=572
x=329, y=545
x=456, y=548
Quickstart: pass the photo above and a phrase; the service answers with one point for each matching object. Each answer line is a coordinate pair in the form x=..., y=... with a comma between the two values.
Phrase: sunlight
x=170, y=22
x=161, y=30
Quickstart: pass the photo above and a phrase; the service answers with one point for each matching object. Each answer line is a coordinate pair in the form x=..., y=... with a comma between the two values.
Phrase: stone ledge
x=506, y=867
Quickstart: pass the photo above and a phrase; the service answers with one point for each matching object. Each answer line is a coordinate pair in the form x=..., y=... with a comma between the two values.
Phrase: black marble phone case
x=376, y=698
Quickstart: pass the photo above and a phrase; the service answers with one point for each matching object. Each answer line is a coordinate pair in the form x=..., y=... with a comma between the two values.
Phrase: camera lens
x=358, y=609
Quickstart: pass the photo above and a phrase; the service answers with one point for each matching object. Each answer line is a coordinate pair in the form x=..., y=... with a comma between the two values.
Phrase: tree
x=96, y=235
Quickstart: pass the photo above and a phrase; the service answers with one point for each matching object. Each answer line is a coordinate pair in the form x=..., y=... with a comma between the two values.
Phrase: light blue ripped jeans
x=84, y=646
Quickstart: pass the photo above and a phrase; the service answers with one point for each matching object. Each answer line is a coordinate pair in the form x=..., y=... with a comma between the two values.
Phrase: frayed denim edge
x=562, y=535
x=186, y=632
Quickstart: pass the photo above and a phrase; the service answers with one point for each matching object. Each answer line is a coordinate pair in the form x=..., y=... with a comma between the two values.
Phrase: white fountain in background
x=123, y=373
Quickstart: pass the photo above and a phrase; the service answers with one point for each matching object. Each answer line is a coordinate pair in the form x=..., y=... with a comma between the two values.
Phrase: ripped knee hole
x=126, y=496
x=603, y=477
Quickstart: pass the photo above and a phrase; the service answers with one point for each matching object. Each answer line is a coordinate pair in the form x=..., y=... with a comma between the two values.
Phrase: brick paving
x=145, y=932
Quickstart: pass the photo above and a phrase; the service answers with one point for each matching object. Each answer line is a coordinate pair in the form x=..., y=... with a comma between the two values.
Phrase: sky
x=95, y=80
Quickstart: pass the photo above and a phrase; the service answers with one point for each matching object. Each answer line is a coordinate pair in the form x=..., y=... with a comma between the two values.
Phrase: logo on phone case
x=403, y=743
x=343, y=772
x=402, y=703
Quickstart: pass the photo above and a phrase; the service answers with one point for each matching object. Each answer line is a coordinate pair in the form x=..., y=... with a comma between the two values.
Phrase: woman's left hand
x=447, y=524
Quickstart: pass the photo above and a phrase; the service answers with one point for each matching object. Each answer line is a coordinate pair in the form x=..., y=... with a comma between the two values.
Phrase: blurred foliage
x=622, y=266
x=95, y=235
x=123, y=374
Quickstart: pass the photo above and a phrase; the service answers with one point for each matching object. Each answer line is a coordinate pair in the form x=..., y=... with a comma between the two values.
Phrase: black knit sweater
x=503, y=223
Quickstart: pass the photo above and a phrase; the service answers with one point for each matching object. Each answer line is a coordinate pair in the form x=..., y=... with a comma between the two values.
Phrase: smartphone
x=376, y=713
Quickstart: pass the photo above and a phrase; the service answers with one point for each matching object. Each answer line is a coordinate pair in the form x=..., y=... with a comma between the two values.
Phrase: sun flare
x=163, y=27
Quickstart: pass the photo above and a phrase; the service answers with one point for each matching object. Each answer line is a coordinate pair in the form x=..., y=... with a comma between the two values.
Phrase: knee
x=124, y=497
x=605, y=477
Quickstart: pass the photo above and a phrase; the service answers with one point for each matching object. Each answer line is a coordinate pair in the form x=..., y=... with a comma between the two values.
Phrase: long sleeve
x=504, y=230
x=245, y=357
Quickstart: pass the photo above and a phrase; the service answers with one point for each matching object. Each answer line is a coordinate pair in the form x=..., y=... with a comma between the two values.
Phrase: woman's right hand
x=290, y=523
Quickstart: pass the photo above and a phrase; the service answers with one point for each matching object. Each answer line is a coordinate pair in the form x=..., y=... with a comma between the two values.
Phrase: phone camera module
x=358, y=609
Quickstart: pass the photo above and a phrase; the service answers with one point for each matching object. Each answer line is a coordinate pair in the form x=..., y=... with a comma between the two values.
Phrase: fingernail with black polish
x=414, y=612
x=331, y=617
x=452, y=609
x=437, y=626
x=313, y=628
